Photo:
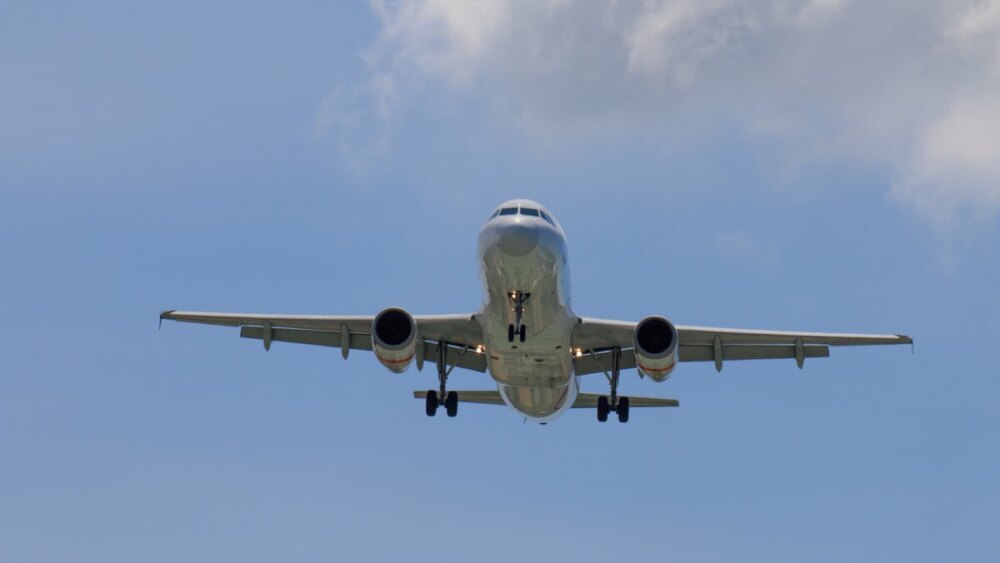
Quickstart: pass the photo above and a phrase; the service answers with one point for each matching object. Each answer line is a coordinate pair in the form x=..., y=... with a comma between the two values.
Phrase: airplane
x=526, y=335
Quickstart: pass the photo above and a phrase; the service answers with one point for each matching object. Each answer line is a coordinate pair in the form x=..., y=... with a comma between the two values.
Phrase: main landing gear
x=450, y=403
x=442, y=396
x=517, y=327
x=619, y=405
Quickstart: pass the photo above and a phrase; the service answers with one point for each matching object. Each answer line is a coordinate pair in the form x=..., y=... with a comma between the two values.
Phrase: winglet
x=903, y=339
x=164, y=315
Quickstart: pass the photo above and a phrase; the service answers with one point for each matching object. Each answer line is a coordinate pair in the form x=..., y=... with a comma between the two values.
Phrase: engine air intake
x=394, y=327
x=655, y=335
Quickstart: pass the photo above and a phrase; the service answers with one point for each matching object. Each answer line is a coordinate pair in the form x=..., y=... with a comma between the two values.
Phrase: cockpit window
x=529, y=211
x=494, y=214
x=508, y=211
x=547, y=218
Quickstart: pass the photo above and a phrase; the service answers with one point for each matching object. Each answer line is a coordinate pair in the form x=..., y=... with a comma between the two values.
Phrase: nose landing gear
x=517, y=327
x=520, y=332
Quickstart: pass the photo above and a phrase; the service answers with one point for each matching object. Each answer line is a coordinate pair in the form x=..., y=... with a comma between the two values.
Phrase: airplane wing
x=461, y=334
x=596, y=337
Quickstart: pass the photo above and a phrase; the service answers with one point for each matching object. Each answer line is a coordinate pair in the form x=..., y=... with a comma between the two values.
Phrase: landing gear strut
x=614, y=403
x=442, y=396
x=517, y=328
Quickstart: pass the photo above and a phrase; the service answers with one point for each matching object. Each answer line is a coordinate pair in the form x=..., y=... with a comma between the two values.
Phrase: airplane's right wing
x=460, y=334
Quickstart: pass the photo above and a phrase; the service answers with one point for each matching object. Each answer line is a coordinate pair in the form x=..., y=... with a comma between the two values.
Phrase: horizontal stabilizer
x=583, y=400
x=480, y=397
x=589, y=401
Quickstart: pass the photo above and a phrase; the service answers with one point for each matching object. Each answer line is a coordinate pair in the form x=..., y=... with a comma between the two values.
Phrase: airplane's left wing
x=700, y=344
x=460, y=334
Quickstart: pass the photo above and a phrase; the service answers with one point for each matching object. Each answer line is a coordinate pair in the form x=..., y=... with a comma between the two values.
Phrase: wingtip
x=165, y=315
x=904, y=339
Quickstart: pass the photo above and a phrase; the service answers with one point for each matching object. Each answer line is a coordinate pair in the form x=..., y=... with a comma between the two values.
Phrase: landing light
x=578, y=352
x=479, y=349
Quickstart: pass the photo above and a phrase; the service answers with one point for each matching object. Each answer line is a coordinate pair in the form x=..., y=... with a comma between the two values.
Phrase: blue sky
x=800, y=165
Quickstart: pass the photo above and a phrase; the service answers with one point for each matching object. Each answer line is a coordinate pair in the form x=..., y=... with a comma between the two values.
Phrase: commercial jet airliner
x=526, y=334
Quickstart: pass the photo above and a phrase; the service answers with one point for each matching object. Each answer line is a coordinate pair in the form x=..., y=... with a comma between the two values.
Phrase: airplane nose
x=518, y=239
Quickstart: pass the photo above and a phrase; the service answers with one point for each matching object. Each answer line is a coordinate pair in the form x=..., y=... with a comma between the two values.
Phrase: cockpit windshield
x=530, y=212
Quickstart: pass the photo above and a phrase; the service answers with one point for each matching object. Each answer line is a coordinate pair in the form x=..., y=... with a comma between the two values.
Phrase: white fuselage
x=526, y=254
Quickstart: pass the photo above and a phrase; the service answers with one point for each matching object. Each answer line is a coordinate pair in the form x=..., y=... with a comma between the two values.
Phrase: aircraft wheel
x=623, y=409
x=451, y=403
x=524, y=332
x=431, y=405
x=603, y=408
x=510, y=333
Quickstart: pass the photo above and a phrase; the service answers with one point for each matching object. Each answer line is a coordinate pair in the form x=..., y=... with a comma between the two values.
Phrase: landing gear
x=449, y=399
x=521, y=332
x=614, y=403
x=622, y=409
x=517, y=327
x=603, y=408
x=431, y=406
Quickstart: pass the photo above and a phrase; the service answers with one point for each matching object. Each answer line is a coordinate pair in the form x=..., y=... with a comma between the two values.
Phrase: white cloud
x=957, y=161
x=914, y=86
x=817, y=11
x=980, y=20
x=671, y=40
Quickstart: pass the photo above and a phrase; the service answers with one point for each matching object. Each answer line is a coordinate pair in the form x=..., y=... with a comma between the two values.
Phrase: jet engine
x=394, y=339
x=655, y=347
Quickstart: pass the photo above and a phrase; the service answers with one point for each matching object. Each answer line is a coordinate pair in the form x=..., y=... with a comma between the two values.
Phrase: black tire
x=524, y=332
x=603, y=408
x=510, y=333
x=623, y=409
x=451, y=403
x=431, y=405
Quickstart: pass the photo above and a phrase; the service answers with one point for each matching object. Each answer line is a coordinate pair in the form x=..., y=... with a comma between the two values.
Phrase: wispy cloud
x=347, y=116
x=746, y=247
x=914, y=86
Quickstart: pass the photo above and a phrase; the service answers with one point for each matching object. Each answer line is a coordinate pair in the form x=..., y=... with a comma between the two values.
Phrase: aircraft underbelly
x=539, y=403
x=540, y=367
x=535, y=377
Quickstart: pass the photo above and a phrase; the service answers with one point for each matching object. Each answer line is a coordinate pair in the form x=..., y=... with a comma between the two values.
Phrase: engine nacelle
x=394, y=339
x=655, y=347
